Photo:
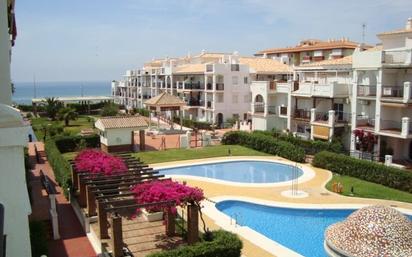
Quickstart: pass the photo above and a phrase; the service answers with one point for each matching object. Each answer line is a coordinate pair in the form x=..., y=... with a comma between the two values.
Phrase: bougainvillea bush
x=165, y=191
x=95, y=161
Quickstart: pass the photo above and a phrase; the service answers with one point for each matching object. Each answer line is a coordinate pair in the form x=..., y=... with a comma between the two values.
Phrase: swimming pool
x=301, y=230
x=239, y=171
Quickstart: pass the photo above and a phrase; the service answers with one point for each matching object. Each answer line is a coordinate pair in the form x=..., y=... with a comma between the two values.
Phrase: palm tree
x=52, y=107
x=67, y=114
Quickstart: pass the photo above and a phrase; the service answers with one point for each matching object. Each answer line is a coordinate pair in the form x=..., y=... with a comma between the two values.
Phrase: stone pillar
x=388, y=160
x=405, y=127
x=189, y=138
x=312, y=119
x=406, y=91
x=91, y=202
x=102, y=220
x=192, y=224
x=183, y=141
x=331, y=123
x=117, y=236
x=170, y=222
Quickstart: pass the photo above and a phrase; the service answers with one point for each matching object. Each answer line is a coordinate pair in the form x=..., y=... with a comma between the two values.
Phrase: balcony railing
x=397, y=57
x=366, y=90
x=259, y=107
x=343, y=117
x=321, y=116
x=391, y=125
x=301, y=114
x=392, y=91
x=195, y=85
x=364, y=121
x=220, y=86
x=195, y=103
x=271, y=109
x=209, y=86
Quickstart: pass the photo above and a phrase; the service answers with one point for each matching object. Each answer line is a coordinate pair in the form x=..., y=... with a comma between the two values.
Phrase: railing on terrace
x=392, y=91
x=364, y=121
x=391, y=125
x=321, y=116
x=195, y=103
x=398, y=57
x=259, y=107
x=366, y=90
x=343, y=117
x=374, y=157
x=209, y=86
x=301, y=114
x=195, y=85
x=220, y=86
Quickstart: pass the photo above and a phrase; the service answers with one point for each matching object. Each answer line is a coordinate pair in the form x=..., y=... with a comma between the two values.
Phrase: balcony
x=194, y=85
x=209, y=86
x=331, y=90
x=195, y=103
x=261, y=108
x=397, y=93
x=283, y=111
x=270, y=87
x=366, y=90
x=220, y=86
x=209, y=104
x=401, y=57
x=301, y=114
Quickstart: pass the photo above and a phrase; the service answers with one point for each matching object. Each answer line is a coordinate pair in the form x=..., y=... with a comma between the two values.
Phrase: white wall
x=119, y=136
x=5, y=46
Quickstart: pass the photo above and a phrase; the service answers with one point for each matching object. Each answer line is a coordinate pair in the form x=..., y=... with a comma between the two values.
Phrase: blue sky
x=86, y=40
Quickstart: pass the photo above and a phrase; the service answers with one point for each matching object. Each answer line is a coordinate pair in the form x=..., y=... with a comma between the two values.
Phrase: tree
x=110, y=109
x=52, y=107
x=67, y=114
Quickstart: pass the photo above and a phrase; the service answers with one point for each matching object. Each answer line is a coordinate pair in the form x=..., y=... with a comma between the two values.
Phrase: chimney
x=409, y=23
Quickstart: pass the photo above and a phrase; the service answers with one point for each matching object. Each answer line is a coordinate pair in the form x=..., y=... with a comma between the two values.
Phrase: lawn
x=75, y=126
x=368, y=190
x=198, y=153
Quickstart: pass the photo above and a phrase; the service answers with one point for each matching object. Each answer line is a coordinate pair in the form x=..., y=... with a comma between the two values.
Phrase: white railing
x=324, y=90
x=397, y=57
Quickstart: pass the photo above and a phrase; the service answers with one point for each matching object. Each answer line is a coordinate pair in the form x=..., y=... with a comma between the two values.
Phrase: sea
x=25, y=91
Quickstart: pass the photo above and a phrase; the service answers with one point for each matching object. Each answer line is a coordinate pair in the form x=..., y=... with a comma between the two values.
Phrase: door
x=338, y=108
x=220, y=120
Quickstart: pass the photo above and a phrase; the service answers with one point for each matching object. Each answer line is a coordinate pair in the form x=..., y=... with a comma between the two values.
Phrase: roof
x=190, y=68
x=330, y=62
x=121, y=122
x=394, y=32
x=312, y=44
x=264, y=65
x=165, y=99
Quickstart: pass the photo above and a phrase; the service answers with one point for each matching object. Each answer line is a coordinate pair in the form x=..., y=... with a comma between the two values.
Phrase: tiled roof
x=121, y=122
x=190, y=68
x=341, y=61
x=393, y=32
x=165, y=99
x=264, y=65
x=311, y=45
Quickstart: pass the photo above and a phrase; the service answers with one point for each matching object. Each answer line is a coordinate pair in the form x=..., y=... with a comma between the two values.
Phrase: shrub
x=366, y=170
x=192, y=123
x=265, y=143
x=110, y=109
x=224, y=244
x=61, y=167
x=141, y=111
x=71, y=143
x=96, y=161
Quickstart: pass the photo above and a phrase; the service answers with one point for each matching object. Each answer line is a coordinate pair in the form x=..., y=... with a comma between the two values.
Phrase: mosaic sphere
x=374, y=231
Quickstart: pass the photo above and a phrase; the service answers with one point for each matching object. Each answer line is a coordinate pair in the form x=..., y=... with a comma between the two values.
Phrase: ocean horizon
x=25, y=91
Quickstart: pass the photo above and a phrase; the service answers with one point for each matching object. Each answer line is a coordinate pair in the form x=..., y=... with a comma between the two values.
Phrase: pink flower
x=95, y=161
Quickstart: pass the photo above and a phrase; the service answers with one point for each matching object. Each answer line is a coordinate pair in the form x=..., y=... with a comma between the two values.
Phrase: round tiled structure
x=374, y=231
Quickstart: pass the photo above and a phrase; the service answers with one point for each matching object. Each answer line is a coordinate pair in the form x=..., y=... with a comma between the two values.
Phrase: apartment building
x=311, y=50
x=381, y=94
x=13, y=138
x=215, y=86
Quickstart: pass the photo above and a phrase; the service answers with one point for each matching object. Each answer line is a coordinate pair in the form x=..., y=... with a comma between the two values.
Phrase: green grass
x=75, y=126
x=198, y=153
x=368, y=190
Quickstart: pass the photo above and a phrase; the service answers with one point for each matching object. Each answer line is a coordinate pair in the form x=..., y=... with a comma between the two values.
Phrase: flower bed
x=95, y=161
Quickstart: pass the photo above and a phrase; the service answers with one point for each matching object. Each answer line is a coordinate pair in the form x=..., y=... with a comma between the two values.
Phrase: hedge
x=193, y=124
x=265, y=144
x=61, y=167
x=310, y=146
x=365, y=170
x=70, y=143
x=224, y=244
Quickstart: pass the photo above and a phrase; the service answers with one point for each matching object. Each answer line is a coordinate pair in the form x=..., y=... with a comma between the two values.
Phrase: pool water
x=301, y=230
x=240, y=171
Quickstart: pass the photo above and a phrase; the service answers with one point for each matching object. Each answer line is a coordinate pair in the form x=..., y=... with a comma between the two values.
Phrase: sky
x=97, y=40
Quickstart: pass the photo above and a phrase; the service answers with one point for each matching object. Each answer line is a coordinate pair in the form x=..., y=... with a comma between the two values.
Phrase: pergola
x=108, y=196
x=165, y=102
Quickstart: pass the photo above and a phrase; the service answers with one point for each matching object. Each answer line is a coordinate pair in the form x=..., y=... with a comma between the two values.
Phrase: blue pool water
x=240, y=171
x=301, y=230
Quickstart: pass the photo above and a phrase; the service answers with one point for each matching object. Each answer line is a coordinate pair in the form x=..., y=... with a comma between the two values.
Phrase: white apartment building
x=381, y=94
x=215, y=86
x=13, y=139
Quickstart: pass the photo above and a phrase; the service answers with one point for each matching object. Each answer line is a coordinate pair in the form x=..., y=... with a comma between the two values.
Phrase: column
x=378, y=101
x=406, y=91
x=289, y=110
x=117, y=236
x=170, y=222
x=102, y=220
x=312, y=119
x=331, y=123
x=192, y=224
x=405, y=127
x=91, y=202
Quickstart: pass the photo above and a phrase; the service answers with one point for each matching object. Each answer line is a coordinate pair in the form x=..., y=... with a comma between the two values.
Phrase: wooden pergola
x=165, y=102
x=105, y=196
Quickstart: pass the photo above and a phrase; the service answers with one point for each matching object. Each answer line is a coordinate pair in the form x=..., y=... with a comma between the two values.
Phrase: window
x=234, y=67
x=235, y=80
x=318, y=53
x=209, y=68
x=220, y=98
x=235, y=99
x=245, y=80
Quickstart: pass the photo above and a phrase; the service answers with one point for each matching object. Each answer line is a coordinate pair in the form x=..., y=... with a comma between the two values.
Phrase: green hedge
x=70, y=143
x=61, y=167
x=224, y=244
x=265, y=143
x=193, y=124
x=310, y=146
x=366, y=170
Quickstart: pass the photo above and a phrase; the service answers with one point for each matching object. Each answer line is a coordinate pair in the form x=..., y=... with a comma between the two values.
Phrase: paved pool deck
x=315, y=187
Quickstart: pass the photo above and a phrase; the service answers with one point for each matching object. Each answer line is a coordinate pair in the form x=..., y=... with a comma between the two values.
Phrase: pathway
x=73, y=242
